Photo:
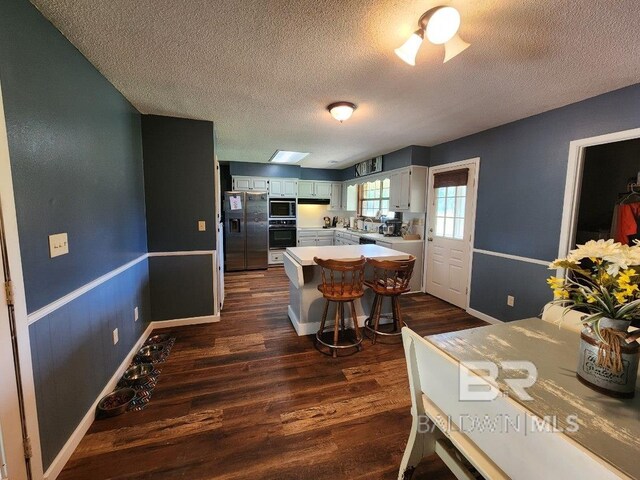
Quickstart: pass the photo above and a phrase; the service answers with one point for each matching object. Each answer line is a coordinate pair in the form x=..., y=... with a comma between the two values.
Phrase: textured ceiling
x=264, y=71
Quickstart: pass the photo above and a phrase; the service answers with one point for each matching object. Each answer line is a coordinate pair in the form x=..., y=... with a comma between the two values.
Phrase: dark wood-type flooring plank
x=248, y=398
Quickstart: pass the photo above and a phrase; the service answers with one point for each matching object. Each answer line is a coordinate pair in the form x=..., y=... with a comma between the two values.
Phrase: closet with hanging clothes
x=610, y=193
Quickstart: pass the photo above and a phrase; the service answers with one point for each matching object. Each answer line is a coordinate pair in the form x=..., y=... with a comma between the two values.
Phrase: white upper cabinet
x=305, y=188
x=349, y=197
x=283, y=187
x=322, y=189
x=246, y=184
x=335, y=202
x=407, y=190
x=312, y=189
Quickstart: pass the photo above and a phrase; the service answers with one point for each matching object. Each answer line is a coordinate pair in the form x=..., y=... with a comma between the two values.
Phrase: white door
x=451, y=219
x=276, y=187
x=242, y=184
x=11, y=447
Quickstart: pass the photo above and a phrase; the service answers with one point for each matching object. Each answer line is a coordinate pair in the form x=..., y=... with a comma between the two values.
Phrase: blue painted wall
x=74, y=356
x=284, y=171
x=411, y=155
x=523, y=169
x=76, y=158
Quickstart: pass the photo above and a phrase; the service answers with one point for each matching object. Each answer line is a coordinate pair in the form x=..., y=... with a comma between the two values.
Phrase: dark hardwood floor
x=247, y=398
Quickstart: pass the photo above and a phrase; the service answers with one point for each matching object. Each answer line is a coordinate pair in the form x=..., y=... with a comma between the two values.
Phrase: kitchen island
x=305, y=301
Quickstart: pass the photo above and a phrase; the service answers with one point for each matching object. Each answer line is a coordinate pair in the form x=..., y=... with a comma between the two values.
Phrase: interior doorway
x=451, y=215
x=578, y=226
x=15, y=465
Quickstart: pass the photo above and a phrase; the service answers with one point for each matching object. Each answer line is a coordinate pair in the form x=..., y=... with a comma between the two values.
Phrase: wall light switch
x=202, y=226
x=58, y=245
x=136, y=315
x=115, y=336
x=511, y=300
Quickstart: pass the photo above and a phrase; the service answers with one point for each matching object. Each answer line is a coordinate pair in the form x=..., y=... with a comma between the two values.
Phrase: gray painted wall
x=179, y=189
x=179, y=183
x=523, y=168
x=76, y=159
x=182, y=286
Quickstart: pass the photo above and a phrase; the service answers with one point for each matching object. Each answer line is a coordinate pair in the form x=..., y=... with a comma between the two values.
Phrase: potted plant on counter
x=602, y=280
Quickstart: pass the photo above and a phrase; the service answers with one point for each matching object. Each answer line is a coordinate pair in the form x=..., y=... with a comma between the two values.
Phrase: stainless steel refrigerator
x=246, y=230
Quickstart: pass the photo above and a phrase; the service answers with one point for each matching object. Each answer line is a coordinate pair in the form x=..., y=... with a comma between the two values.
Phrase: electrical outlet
x=202, y=226
x=136, y=314
x=58, y=245
x=115, y=336
x=511, y=300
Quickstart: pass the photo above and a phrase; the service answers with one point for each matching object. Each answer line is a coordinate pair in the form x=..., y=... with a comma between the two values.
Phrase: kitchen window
x=374, y=198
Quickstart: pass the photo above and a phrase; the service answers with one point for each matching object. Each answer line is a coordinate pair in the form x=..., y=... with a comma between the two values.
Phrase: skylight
x=284, y=156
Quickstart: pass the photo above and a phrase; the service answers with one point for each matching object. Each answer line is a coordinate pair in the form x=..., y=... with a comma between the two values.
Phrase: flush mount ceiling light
x=341, y=111
x=285, y=156
x=441, y=26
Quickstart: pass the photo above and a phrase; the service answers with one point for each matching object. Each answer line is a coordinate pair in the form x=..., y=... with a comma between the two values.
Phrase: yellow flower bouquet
x=602, y=280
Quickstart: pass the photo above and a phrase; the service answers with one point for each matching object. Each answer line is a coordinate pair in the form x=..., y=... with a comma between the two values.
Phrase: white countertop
x=361, y=233
x=304, y=255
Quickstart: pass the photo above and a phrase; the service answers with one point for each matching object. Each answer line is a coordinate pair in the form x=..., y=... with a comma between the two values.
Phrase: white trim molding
x=62, y=301
x=68, y=298
x=573, y=183
x=74, y=440
x=185, y=321
x=484, y=316
x=185, y=253
x=14, y=261
x=513, y=257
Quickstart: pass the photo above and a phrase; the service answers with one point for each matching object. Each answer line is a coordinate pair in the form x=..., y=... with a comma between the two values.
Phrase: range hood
x=313, y=201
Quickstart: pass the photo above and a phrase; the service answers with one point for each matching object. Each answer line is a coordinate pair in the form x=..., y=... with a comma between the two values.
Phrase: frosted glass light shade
x=453, y=47
x=341, y=111
x=408, y=51
x=443, y=25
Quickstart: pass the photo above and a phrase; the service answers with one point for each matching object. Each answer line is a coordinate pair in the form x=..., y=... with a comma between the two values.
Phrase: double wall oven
x=282, y=234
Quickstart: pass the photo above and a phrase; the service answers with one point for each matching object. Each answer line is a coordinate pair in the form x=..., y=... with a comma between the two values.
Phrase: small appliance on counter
x=327, y=222
x=334, y=222
x=393, y=228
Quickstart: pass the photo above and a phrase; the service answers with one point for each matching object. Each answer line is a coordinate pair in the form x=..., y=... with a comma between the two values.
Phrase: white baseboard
x=179, y=322
x=311, y=328
x=484, y=316
x=74, y=440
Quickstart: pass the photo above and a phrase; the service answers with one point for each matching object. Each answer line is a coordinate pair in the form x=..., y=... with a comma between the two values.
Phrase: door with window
x=451, y=213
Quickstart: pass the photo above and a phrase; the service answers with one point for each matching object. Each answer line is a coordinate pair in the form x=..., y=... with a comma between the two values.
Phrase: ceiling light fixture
x=285, y=156
x=341, y=111
x=441, y=26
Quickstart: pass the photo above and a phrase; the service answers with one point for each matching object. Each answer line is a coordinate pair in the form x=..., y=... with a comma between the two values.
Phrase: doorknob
x=430, y=239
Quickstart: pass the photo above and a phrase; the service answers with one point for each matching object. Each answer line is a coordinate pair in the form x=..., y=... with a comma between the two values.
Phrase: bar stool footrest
x=369, y=328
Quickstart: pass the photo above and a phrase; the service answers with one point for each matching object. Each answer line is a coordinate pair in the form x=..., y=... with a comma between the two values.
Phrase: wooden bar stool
x=390, y=279
x=342, y=282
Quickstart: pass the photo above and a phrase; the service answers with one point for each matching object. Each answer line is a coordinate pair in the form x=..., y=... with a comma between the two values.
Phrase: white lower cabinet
x=315, y=238
x=276, y=257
